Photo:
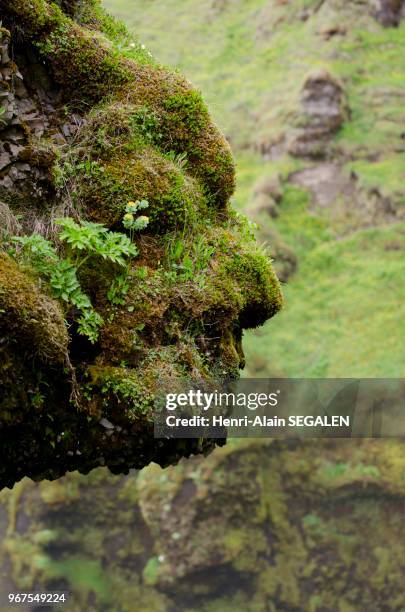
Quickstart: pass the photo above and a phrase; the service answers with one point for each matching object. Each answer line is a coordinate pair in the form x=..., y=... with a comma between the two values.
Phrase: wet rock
x=323, y=110
x=28, y=114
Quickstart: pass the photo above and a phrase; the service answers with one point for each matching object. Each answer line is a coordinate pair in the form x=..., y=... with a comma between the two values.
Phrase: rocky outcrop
x=388, y=12
x=350, y=205
x=258, y=525
x=322, y=112
x=85, y=130
x=28, y=115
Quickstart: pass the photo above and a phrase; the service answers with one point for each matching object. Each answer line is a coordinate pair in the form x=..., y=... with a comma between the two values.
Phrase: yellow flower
x=143, y=219
x=129, y=217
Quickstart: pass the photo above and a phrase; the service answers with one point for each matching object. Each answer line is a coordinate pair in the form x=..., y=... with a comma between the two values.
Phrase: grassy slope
x=343, y=310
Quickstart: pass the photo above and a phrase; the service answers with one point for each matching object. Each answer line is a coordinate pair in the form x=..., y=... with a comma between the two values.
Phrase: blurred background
x=310, y=94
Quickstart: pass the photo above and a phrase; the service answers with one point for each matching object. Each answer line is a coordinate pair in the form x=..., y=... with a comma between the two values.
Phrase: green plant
x=189, y=262
x=120, y=285
x=119, y=289
x=180, y=159
x=133, y=223
x=82, y=241
x=146, y=122
x=86, y=239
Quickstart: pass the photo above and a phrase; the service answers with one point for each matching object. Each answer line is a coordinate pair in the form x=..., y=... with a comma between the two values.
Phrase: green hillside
x=345, y=303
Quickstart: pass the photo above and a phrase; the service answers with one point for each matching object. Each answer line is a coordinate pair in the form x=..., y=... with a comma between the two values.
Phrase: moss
x=260, y=287
x=174, y=198
x=151, y=571
x=121, y=386
x=30, y=317
x=98, y=72
x=248, y=536
x=144, y=133
x=234, y=287
x=242, y=279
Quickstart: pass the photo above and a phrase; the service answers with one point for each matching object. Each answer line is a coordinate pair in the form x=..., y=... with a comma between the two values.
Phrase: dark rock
x=350, y=205
x=389, y=12
x=269, y=186
x=322, y=112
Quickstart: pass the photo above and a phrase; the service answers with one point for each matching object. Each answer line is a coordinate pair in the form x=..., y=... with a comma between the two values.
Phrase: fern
x=82, y=241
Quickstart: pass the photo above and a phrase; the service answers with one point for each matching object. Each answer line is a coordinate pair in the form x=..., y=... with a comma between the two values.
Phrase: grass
x=386, y=174
x=342, y=314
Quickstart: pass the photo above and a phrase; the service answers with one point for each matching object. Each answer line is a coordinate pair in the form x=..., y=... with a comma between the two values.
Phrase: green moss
x=259, y=285
x=242, y=278
x=174, y=198
x=77, y=56
x=120, y=386
x=96, y=71
x=189, y=109
x=30, y=316
x=144, y=133
x=151, y=571
x=85, y=575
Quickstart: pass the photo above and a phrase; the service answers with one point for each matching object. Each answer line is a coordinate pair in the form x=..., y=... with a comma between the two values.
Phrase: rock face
x=322, y=113
x=27, y=116
x=89, y=123
x=389, y=12
x=258, y=525
x=351, y=206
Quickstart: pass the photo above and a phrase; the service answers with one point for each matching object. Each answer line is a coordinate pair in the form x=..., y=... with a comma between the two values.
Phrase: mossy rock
x=28, y=318
x=98, y=72
x=118, y=128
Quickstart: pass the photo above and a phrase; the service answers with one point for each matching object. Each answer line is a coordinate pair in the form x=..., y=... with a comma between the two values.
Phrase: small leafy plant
x=120, y=285
x=190, y=261
x=2, y=112
x=180, y=159
x=82, y=241
x=146, y=123
x=133, y=223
